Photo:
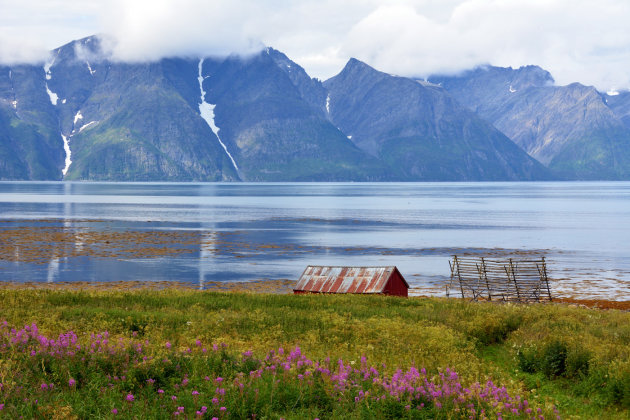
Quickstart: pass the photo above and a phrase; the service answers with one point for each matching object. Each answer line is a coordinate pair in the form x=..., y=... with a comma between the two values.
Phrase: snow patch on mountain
x=66, y=148
x=512, y=90
x=83, y=127
x=328, y=103
x=90, y=68
x=14, y=104
x=52, y=95
x=207, y=113
x=77, y=117
x=612, y=92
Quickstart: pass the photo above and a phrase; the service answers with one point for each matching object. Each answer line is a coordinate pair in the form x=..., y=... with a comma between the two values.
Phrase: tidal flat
x=203, y=233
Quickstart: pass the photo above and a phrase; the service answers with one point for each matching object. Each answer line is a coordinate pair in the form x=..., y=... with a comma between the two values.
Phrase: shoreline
x=262, y=286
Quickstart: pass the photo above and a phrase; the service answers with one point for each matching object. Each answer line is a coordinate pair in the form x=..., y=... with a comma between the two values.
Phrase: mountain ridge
x=570, y=129
x=81, y=116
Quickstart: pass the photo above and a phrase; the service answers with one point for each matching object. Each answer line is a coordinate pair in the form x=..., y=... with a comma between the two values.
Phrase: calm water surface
x=243, y=232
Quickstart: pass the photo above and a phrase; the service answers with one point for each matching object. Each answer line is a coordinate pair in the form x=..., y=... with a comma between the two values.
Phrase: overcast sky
x=576, y=40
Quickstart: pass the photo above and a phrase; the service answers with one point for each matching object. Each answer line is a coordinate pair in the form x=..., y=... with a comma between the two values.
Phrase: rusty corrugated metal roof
x=344, y=279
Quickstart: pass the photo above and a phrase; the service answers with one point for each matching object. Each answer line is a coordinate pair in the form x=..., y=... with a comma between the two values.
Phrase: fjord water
x=247, y=231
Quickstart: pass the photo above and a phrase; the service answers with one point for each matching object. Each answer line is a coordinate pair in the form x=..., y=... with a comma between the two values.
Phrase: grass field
x=192, y=354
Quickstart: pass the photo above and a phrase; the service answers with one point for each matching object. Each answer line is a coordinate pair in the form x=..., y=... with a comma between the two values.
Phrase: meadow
x=206, y=354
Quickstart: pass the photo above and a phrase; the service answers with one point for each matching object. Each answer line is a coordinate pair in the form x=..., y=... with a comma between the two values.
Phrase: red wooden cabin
x=360, y=280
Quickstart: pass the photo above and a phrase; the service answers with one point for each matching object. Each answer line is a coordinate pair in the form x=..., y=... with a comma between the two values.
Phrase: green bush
x=528, y=360
x=554, y=359
x=495, y=330
x=620, y=388
x=577, y=363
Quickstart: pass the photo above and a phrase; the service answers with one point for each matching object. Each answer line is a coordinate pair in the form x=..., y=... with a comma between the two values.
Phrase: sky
x=576, y=40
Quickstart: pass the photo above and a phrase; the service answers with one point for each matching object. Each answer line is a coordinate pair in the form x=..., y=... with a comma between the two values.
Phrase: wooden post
x=544, y=264
x=459, y=276
x=485, y=276
x=513, y=268
x=448, y=286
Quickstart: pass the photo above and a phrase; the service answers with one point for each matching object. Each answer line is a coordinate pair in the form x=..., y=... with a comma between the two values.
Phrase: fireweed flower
x=71, y=382
x=114, y=411
x=168, y=344
x=130, y=397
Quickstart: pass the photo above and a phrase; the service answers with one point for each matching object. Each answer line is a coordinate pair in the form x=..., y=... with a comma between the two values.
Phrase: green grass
x=576, y=359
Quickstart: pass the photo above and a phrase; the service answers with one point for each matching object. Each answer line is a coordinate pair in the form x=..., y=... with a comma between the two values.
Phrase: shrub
x=554, y=359
x=495, y=330
x=620, y=388
x=528, y=360
x=577, y=363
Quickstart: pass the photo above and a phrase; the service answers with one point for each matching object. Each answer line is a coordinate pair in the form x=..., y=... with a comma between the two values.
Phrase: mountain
x=30, y=144
x=176, y=119
x=132, y=121
x=420, y=131
x=83, y=116
x=274, y=132
x=619, y=102
x=570, y=129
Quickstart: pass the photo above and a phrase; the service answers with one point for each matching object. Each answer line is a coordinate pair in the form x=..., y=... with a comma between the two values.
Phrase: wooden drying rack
x=479, y=278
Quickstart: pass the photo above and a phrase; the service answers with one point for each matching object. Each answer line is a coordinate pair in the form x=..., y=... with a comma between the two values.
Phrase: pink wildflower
x=72, y=382
x=130, y=397
x=114, y=411
x=168, y=344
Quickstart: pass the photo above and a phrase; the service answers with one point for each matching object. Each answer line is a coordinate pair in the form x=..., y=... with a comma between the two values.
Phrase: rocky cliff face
x=571, y=129
x=420, y=131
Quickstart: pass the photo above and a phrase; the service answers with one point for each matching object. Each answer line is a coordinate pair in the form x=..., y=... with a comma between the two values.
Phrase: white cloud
x=578, y=40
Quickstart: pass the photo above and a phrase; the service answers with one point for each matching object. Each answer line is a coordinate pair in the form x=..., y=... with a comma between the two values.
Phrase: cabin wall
x=396, y=286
